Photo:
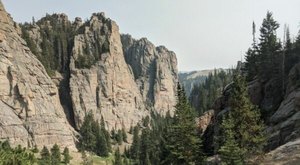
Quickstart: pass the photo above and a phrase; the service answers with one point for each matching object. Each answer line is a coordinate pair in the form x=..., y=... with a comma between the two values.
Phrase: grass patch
x=103, y=160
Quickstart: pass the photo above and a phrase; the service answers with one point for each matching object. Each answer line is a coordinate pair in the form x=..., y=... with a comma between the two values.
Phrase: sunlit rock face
x=30, y=110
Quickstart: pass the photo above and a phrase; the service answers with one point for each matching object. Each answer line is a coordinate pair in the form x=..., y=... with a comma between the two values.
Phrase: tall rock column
x=106, y=88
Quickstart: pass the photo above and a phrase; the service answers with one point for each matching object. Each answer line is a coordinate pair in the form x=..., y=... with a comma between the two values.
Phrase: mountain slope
x=190, y=79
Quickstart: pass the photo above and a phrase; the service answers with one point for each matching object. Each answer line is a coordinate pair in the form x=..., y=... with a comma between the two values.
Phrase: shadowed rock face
x=283, y=115
x=31, y=113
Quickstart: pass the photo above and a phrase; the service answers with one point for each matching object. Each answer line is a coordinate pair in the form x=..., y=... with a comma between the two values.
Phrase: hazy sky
x=203, y=33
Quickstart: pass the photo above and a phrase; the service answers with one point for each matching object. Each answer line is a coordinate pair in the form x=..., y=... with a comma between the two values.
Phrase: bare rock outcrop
x=90, y=62
x=108, y=87
x=154, y=70
x=285, y=122
x=288, y=154
x=205, y=120
x=31, y=113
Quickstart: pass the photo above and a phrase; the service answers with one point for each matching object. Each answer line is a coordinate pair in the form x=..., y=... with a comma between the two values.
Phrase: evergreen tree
x=243, y=123
x=230, y=152
x=124, y=135
x=134, y=149
x=118, y=159
x=119, y=137
x=131, y=129
x=113, y=134
x=18, y=155
x=55, y=155
x=146, y=121
x=145, y=147
x=45, y=156
x=290, y=52
x=203, y=96
x=66, y=155
x=251, y=57
x=87, y=139
x=183, y=140
x=35, y=149
x=106, y=134
x=101, y=145
x=269, y=49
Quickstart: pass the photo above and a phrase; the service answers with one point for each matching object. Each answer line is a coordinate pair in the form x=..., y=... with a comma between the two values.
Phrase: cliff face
x=100, y=71
x=31, y=113
x=154, y=70
x=108, y=87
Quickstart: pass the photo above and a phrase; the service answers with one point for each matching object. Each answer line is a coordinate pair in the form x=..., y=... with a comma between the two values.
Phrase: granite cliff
x=29, y=100
x=64, y=69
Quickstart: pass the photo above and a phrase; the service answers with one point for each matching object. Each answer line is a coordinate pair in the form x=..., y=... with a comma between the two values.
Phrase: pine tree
x=113, y=134
x=17, y=155
x=269, y=49
x=244, y=122
x=55, y=155
x=183, y=140
x=230, y=152
x=290, y=52
x=119, y=137
x=251, y=57
x=106, y=134
x=118, y=159
x=124, y=135
x=66, y=155
x=134, y=149
x=35, y=149
x=45, y=156
x=145, y=147
x=131, y=129
x=87, y=139
x=101, y=145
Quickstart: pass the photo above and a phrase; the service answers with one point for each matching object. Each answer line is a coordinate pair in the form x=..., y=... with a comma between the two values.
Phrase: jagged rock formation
x=108, y=87
x=31, y=113
x=154, y=70
x=98, y=70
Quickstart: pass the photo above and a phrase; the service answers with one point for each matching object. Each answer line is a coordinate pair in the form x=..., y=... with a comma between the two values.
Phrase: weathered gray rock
x=93, y=74
x=154, y=70
x=108, y=87
x=287, y=154
x=30, y=111
x=285, y=122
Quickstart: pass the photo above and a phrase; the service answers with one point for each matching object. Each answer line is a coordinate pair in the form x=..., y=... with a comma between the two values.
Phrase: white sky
x=204, y=34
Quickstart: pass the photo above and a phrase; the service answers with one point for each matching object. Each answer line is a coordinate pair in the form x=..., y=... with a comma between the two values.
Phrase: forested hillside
x=203, y=95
